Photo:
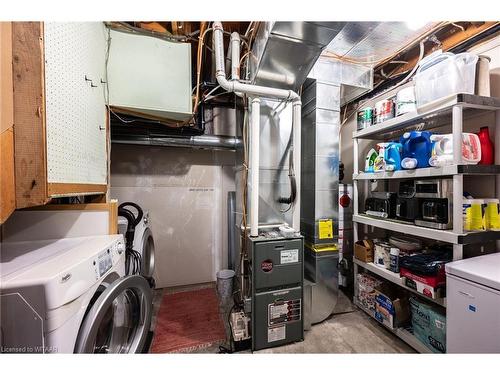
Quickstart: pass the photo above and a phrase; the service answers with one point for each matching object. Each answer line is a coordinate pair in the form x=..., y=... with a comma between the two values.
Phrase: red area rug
x=187, y=321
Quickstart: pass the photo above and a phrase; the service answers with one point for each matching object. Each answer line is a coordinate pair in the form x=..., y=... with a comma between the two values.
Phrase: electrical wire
x=125, y=27
x=403, y=81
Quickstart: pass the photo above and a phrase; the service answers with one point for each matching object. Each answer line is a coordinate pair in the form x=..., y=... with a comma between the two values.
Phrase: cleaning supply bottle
x=442, y=149
x=370, y=160
x=417, y=147
x=392, y=156
x=487, y=147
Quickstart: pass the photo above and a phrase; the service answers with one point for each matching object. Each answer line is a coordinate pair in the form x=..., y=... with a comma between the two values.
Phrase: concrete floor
x=349, y=330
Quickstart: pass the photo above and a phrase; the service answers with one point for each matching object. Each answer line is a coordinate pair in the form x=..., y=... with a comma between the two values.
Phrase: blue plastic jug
x=392, y=156
x=417, y=145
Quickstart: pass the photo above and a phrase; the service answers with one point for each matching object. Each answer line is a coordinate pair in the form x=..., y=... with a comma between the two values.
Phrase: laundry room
x=307, y=183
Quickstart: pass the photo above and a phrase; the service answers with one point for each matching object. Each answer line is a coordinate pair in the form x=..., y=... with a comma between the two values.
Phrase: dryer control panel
x=107, y=258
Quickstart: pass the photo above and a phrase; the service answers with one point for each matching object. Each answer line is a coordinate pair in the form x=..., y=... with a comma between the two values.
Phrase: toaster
x=381, y=204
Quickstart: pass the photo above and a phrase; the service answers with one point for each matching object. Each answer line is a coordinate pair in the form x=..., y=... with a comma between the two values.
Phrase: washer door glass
x=119, y=320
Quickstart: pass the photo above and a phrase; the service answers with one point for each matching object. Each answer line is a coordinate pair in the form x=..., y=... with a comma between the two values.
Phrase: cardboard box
x=433, y=281
x=425, y=289
x=363, y=251
x=391, y=306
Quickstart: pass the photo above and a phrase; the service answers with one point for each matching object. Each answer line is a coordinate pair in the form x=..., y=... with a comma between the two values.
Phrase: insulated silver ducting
x=285, y=52
x=214, y=142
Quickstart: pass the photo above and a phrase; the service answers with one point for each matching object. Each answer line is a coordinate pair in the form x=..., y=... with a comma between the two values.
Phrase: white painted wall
x=185, y=192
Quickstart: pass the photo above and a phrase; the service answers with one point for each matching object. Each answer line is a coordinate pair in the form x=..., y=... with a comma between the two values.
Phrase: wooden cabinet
x=61, y=132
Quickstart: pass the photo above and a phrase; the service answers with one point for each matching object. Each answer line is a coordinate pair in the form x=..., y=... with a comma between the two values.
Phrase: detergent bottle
x=389, y=157
x=392, y=156
x=487, y=148
x=417, y=148
x=442, y=149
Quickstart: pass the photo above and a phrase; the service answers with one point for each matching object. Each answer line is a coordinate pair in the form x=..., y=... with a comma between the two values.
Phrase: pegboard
x=75, y=105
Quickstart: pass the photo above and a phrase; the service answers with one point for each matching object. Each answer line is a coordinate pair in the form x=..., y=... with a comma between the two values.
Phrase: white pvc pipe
x=296, y=114
x=254, y=166
x=235, y=56
x=266, y=92
x=235, y=86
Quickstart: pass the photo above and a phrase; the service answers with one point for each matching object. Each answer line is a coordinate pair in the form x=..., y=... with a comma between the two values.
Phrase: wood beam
x=29, y=114
x=7, y=180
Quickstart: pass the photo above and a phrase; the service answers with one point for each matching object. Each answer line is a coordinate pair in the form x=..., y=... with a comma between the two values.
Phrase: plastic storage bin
x=444, y=74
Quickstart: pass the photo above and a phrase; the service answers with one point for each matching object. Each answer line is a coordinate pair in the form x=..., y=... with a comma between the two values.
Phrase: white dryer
x=71, y=295
x=143, y=241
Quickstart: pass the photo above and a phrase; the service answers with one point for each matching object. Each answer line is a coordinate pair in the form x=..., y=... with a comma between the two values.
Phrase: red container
x=432, y=281
x=487, y=147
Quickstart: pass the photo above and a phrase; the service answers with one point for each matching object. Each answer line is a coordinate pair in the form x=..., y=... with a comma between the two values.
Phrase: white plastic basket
x=445, y=74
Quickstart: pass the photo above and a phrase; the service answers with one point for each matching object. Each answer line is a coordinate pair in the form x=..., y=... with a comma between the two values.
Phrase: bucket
x=225, y=284
x=405, y=101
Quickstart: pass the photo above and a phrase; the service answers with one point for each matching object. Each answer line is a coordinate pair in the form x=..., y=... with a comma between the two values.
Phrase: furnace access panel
x=277, y=271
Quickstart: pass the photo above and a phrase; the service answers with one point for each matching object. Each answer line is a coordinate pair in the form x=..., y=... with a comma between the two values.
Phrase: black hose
x=140, y=213
x=133, y=258
x=293, y=182
x=130, y=232
x=293, y=191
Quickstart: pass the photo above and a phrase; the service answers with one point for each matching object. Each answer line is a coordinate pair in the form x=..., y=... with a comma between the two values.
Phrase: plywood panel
x=7, y=182
x=29, y=114
x=7, y=186
x=61, y=221
x=55, y=190
x=6, y=98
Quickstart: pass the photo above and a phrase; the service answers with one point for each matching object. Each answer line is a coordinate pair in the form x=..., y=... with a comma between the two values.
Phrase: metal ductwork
x=286, y=51
x=213, y=142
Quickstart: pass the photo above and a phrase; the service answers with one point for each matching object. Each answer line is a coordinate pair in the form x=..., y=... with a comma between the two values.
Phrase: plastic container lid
x=491, y=200
x=474, y=201
x=225, y=274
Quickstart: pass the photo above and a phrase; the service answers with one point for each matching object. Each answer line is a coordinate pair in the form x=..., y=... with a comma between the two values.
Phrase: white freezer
x=473, y=305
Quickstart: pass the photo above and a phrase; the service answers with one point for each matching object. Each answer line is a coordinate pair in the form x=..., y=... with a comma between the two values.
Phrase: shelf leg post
x=356, y=270
x=457, y=126
x=355, y=171
x=458, y=189
x=355, y=160
x=497, y=159
x=497, y=151
x=458, y=251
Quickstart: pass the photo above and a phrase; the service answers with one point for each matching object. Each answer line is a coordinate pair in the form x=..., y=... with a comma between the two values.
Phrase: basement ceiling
x=370, y=42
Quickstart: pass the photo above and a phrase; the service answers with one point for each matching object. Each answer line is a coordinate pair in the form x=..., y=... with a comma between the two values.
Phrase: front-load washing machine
x=141, y=236
x=71, y=296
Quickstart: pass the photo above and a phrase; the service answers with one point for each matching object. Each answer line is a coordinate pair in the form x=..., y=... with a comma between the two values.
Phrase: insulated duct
x=214, y=142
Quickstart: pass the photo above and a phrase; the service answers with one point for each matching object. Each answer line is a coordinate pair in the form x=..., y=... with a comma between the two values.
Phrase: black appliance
x=381, y=204
x=406, y=203
x=435, y=203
